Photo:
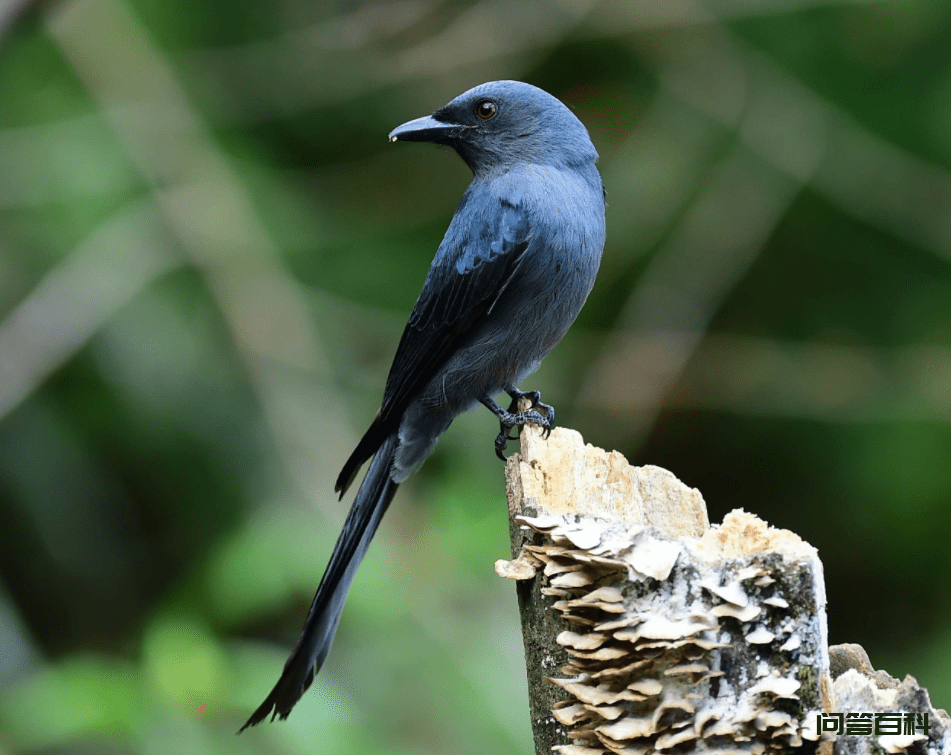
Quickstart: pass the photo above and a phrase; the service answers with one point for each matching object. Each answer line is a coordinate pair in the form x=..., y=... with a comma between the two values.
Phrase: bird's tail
x=312, y=646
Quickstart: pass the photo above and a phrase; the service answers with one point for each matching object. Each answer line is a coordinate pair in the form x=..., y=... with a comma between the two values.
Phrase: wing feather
x=468, y=275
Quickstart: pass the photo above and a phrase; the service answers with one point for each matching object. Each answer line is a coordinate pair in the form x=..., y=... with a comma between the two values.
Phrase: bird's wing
x=476, y=260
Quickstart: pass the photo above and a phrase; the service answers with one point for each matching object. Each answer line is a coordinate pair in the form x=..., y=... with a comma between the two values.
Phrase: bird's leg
x=510, y=419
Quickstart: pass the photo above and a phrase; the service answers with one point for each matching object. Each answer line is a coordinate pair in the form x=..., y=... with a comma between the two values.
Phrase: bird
x=510, y=276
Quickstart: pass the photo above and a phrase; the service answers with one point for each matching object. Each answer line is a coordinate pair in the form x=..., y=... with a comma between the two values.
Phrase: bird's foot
x=536, y=398
x=545, y=418
x=508, y=420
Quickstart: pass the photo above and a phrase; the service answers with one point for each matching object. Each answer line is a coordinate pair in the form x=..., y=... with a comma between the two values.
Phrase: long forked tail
x=312, y=646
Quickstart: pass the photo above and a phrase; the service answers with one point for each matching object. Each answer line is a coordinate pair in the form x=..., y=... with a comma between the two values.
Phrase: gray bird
x=510, y=276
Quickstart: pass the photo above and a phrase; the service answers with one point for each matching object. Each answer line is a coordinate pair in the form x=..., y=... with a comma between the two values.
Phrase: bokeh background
x=208, y=251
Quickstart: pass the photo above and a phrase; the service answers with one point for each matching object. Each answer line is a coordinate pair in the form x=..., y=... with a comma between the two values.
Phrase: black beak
x=425, y=129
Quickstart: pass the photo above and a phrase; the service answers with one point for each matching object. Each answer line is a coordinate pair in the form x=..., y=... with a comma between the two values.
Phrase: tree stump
x=647, y=630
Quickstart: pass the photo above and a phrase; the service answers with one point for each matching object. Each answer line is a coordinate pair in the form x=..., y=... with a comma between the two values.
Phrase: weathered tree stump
x=646, y=630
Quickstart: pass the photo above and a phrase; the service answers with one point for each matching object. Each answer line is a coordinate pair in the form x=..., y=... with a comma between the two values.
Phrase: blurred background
x=208, y=251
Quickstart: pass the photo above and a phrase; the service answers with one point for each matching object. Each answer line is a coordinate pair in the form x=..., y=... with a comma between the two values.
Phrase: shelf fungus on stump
x=669, y=635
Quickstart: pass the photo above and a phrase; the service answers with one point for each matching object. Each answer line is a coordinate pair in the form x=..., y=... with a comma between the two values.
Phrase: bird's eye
x=485, y=109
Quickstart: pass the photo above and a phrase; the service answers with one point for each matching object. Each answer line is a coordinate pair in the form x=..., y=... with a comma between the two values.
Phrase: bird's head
x=501, y=124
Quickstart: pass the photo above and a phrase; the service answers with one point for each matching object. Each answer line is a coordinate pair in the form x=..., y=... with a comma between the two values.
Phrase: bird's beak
x=425, y=129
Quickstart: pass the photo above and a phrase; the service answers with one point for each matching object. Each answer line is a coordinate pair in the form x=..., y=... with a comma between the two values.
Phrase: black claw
x=500, y=444
x=504, y=432
x=501, y=441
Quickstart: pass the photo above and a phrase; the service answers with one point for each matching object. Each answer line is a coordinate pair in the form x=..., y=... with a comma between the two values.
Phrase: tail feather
x=372, y=499
x=371, y=441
